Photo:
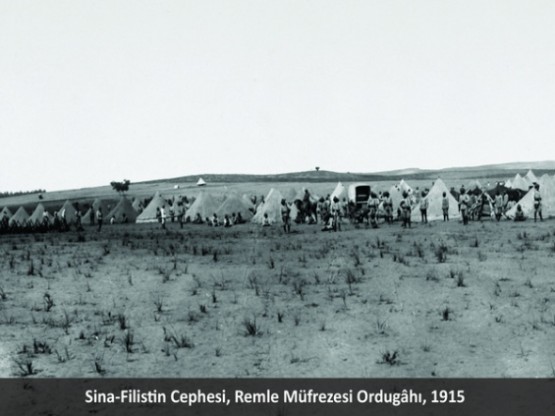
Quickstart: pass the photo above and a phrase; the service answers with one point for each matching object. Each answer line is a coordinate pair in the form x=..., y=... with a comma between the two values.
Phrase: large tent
x=20, y=217
x=435, y=199
x=149, y=213
x=271, y=207
x=38, y=215
x=205, y=204
x=201, y=182
x=123, y=212
x=234, y=204
x=547, y=194
x=68, y=212
x=6, y=211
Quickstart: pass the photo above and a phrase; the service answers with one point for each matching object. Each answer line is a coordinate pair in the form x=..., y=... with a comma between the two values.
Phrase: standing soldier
x=181, y=214
x=336, y=213
x=99, y=218
x=464, y=202
x=373, y=203
x=445, y=207
x=407, y=208
x=537, y=203
x=285, y=216
x=498, y=206
x=388, y=207
x=424, y=208
x=163, y=217
x=78, y=225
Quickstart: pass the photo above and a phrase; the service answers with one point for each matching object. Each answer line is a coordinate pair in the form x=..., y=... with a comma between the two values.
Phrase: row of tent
x=525, y=182
x=205, y=205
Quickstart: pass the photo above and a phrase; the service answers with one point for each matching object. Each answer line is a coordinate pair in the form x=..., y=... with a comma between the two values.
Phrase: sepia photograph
x=277, y=189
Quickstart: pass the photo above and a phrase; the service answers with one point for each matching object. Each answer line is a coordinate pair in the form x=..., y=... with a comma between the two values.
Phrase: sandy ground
x=437, y=300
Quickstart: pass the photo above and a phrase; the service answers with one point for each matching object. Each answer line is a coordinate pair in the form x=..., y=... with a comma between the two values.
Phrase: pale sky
x=95, y=91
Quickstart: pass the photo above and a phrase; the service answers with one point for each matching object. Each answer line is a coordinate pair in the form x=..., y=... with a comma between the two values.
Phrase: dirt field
x=440, y=300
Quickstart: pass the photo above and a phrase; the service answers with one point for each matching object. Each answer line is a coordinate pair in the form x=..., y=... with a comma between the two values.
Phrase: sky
x=96, y=91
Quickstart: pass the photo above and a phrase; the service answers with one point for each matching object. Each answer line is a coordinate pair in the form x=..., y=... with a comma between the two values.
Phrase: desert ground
x=442, y=300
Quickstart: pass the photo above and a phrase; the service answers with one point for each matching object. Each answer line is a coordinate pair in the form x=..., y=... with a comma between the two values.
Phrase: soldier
x=464, y=202
x=445, y=207
x=406, y=207
x=285, y=216
x=537, y=203
x=373, y=203
x=99, y=218
x=424, y=208
x=388, y=207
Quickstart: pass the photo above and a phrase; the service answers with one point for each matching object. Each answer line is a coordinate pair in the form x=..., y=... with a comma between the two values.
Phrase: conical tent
x=435, y=200
x=271, y=206
x=20, y=217
x=340, y=192
x=123, y=212
x=97, y=203
x=234, y=204
x=149, y=213
x=201, y=182
x=6, y=211
x=38, y=215
x=530, y=177
x=206, y=205
x=520, y=183
x=473, y=184
x=68, y=212
x=547, y=194
x=509, y=183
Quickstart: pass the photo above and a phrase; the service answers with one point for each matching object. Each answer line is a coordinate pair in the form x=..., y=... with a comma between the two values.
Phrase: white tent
x=530, y=177
x=20, y=217
x=405, y=187
x=68, y=212
x=38, y=215
x=205, y=204
x=123, y=211
x=520, y=183
x=271, y=206
x=201, y=182
x=6, y=211
x=434, y=198
x=340, y=192
x=149, y=213
x=234, y=204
